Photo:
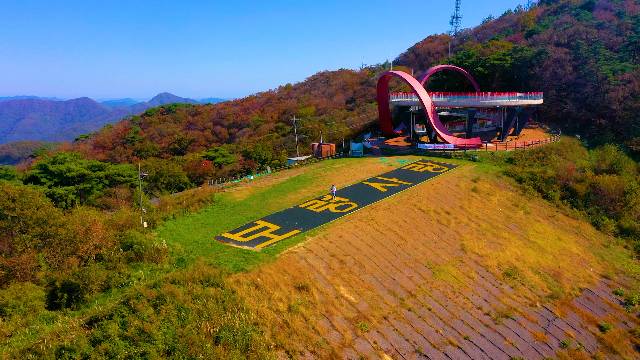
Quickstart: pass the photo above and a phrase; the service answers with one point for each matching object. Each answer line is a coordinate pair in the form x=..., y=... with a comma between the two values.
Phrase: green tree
x=220, y=156
x=8, y=173
x=71, y=180
x=164, y=176
x=180, y=145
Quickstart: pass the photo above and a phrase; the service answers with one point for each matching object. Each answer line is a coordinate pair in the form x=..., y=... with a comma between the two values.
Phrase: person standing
x=333, y=191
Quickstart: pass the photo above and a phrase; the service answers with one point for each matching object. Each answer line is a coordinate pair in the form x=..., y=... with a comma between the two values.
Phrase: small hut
x=323, y=150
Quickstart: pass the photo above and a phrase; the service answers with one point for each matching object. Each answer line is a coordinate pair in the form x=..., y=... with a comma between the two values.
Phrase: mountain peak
x=168, y=98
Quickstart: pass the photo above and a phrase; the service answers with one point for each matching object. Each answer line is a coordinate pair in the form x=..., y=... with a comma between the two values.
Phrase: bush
x=139, y=247
x=164, y=176
x=37, y=236
x=604, y=327
x=603, y=183
x=30, y=224
x=8, y=173
x=21, y=300
x=63, y=295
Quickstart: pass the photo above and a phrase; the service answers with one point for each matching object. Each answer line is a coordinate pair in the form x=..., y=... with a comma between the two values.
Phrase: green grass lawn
x=192, y=236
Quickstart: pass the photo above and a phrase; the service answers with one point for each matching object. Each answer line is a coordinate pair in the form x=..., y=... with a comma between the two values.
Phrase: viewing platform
x=470, y=99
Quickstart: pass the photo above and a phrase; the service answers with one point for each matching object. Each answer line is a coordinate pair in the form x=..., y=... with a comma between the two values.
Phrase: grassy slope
x=192, y=235
x=546, y=256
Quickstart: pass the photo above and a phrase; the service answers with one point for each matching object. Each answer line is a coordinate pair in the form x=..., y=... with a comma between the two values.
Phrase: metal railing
x=518, y=145
x=491, y=147
x=477, y=96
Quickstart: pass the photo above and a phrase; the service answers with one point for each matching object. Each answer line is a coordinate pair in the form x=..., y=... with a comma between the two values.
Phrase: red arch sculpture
x=439, y=68
x=384, y=112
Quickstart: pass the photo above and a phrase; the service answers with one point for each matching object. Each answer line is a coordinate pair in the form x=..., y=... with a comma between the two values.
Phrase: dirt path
x=424, y=276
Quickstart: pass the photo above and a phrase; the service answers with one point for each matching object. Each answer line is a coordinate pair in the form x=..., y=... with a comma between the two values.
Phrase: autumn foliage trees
x=582, y=54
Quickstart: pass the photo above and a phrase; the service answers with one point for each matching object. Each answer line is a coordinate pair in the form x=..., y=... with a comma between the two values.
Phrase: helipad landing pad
x=317, y=212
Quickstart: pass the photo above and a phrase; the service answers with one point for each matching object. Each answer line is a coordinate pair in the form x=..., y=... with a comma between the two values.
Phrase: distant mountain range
x=26, y=97
x=50, y=119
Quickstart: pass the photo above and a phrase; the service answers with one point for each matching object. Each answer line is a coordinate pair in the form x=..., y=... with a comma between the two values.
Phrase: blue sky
x=137, y=48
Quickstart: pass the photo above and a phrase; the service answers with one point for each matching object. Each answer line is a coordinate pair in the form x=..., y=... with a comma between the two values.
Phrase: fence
x=508, y=146
x=516, y=145
x=490, y=147
x=452, y=96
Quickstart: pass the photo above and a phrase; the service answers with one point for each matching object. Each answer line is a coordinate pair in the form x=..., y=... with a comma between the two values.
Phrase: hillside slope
x=336, y=103
x=40, y=119
x=475, y=265
x=464, y=266
x=582, y=54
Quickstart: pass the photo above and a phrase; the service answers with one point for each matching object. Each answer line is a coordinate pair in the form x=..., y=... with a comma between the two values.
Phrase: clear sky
x=232, y=48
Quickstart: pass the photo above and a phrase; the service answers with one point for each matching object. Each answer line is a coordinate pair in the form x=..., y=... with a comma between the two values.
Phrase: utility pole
x=295, y=131
x=142, y=209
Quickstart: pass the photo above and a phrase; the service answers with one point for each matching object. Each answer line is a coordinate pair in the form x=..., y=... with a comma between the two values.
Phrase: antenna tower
x=455, y=22
x=456, y=19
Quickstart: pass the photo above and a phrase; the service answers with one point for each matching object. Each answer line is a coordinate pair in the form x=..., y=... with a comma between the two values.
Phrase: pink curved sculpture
x=384, y=112
x=439, y=68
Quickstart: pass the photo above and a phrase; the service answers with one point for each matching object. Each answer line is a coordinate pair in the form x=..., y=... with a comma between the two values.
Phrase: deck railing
x=478, y=96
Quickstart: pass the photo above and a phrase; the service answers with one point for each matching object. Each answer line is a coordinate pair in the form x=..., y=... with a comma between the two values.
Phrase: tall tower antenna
x=455, y=22
x=456, y=19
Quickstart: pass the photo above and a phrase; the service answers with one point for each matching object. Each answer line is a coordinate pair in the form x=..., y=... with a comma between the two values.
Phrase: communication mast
x=456, y=19
x=455, y=22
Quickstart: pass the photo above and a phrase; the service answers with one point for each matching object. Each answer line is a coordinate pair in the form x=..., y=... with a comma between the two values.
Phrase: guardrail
x=492, y=147
x=449, y=96
x=518, y=145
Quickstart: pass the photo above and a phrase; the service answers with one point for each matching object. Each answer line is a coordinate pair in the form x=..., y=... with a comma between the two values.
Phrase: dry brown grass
x=457, y=263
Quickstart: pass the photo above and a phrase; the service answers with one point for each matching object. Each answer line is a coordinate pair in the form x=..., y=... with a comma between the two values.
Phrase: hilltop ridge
x=32, y=118
x=595, y=54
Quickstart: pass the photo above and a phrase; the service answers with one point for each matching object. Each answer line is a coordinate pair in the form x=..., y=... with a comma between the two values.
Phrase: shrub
x=618, y=292
x=631, y=300
x=139, y=247
x=363, y=327
x=21, y=300
x=164, y=176
x=604, y=327
x=63, y=295
x=29, y=224
x=8, y=173
x=603, y=183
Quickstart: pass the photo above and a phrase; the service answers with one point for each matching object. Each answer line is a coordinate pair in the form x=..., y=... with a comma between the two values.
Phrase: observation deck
x=471, y=99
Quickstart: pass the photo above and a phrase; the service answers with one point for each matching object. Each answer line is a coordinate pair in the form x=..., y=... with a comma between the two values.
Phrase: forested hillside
x=582, y=54
x=29, y=118
x=81, y=277
x=255, y=131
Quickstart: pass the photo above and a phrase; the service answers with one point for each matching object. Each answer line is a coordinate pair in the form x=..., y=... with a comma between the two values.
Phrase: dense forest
x=86, y=241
